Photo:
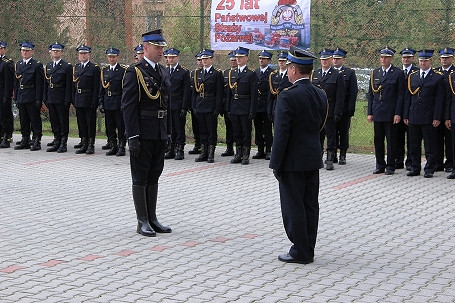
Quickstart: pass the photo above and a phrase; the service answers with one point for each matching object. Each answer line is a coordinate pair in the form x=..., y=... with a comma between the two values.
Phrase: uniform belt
x=24, y=86
x=52, y=85
x=205, y=95
x=83, y=90
x=160, y=114
x=237, y=96
x=109, y=93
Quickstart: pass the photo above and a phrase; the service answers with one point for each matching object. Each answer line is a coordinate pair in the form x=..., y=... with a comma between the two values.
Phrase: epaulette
x=104, y=67
x=38, y=62
x=217, y=69
x=125, y=66
x=95, y=64
x=136, y=63
x=183, y=67
x=438, y=72
x=274, y=71
x=6, y=59
x=340, y=71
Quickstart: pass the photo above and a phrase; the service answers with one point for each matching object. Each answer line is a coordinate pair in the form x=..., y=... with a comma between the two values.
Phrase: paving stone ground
x=68, y=234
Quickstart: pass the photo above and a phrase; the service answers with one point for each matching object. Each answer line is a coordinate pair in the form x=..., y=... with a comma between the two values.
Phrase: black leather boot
x=36, y=144
x=342, y=158
x=107, y=146
x=229, y=151
x=204, y=155
x=52, y=143
x=91, y=146
x=63, y=148
x=246, y=156
x=260, y=154
x=140, y=204
x=121, y=148
x=83, y=147
x=6, y=142
x=268, y=152
x=329, y=161
x=113, y=150
x=211, y=155
x=55, y=146
x=25, y=143
x=80, y=144
x=152, y=195
x=179, y=153
x=238, y=155
x=171, y=153
x=196, y=149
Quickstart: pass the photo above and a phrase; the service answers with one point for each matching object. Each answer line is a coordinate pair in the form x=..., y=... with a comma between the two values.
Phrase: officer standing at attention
x=110, y=99
x=227, y=121
x=350, y=84
x=180, y=102
x=145, y=102
x=331, y=81
x=86, y=87
x=209, y=91
x=450, y=116
x=262, y=124
x=242, y=98
x=194, y=123
x=58, y=96
x=139, y=51
x=28, y=89
x=443, y=134
x=296, y=158
x=407, y=58
x=6, y=92
x=423, y=112
x=385, y=108
x=278, y=81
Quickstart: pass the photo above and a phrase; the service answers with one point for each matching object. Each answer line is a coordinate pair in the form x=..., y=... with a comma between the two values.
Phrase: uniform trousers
x=342, y=133
x=263, y=131
x=428, y=133
x=6, y=118
x=30, y=116
x=241, y=127
x=195, y=126
x=178, y=127
x=229, y=132
x=59, y=117
x=208, y=128
x=147, y=168
x=330, y=131
x=452, y=131
x=444, y=143
x=86, y=121
x=385, y=131
x=402, y=141
x=115, y=126
x=299, y=193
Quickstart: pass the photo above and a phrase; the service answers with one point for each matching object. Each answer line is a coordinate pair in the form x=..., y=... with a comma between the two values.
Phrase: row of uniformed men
x=58, y=85
x=414, y=103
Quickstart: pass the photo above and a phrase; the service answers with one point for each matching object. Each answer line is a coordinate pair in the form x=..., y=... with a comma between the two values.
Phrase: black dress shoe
x=408, y=167
x=288, y=259
x=451, y=176
x=378, y=171
x=389, y=172
x=412, y=173
x=428, y=175
x=342, y=160
x=448, y=169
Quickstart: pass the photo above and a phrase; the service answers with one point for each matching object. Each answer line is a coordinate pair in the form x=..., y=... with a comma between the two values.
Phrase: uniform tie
x=384, y=73
x=172, y=70
x=323, y=74
x=423, y=75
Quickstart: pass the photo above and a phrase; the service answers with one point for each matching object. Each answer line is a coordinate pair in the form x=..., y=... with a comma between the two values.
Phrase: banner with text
x=260, y=24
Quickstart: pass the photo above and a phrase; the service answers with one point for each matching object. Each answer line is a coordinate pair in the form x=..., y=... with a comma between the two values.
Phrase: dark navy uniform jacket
x=59, y=83
x=110, y=95
x=333, y=85
x=86, y=85
x=385, y=94
x=6, y=78
x=140, y=112
x=276, y=86
x=450, y=104
x=446, y=83
x=180, y=88
x=28, y=86
x=299, y=116
x=424, y=100
x=243, y=92
x=226, y=88
x=210, y=97
x=263, y=89
x=351, y=88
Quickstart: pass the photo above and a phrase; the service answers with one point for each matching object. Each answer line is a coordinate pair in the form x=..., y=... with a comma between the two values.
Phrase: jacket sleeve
x=39, y=81
x=96, y=86
x=253, y=92
x=283, y=119
x=219, y=91
x=353, y=91
x=130, y=103
x=186, y=90
x=370, y=96
x=69, y=84
x=340, y=95
x=400, y=93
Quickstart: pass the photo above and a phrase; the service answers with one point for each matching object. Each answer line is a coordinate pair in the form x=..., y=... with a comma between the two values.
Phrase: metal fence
x=360, y=26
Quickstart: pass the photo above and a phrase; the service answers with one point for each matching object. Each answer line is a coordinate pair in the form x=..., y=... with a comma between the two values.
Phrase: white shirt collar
x=150, y=62
x=113, y=66
x=26, y=61
x=264, y=69
x=241, y=68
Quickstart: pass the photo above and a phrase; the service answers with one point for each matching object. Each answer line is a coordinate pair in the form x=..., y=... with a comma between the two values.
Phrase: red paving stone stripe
x=159, y=248
x=125, y=253
x=53, y=160
x=52, y=263
x=357, y=181
x=11, y=269
x=90, y=258
x=191, y=243
x=192, y=170
x=249, y=236
x=220, y=239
